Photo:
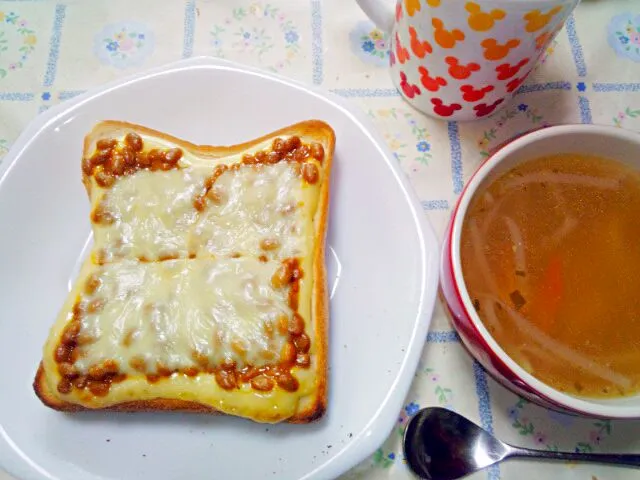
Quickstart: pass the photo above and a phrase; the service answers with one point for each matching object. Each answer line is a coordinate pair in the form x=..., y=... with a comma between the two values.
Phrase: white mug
x=463, y=60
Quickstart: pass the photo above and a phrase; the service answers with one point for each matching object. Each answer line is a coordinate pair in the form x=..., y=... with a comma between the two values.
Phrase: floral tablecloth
x=52, y=51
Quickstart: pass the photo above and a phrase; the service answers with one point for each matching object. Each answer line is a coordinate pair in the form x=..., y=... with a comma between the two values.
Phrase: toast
x=205, y=289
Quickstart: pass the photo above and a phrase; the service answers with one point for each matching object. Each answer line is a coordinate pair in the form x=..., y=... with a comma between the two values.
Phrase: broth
x=550, y=256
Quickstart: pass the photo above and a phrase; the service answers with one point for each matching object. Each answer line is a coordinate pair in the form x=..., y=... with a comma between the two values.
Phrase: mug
x=464, y=60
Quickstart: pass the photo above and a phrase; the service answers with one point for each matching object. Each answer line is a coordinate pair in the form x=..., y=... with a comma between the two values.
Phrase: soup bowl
x=608, y=142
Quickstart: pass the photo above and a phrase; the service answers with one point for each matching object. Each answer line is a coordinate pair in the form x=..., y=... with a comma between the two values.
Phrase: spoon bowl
x=440, y=444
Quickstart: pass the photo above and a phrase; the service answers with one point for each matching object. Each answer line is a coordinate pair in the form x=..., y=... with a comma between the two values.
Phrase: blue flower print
x=623, y=35
x=513, y=413
x=46, y=96
x=124, y=44
x=581, y=86
x=261, y=30
x=423, y=146
x=368, y=46
x=392, y=456
x=523, y=107
x=291, y=36
x=25, y=39
x=412, y=408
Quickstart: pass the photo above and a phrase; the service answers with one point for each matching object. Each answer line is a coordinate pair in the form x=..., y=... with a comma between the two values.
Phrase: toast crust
x=310, y=408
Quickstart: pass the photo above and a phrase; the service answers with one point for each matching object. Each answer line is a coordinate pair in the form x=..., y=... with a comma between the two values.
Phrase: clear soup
x=550, y=256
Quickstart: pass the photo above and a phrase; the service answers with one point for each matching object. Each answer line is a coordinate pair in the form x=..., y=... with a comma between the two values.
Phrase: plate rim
x=376, y=431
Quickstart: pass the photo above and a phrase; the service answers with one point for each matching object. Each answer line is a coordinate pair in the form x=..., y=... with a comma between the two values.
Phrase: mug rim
x=544, y=391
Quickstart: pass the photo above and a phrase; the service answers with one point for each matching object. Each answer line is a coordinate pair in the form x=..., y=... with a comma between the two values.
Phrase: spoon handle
x=627, y=459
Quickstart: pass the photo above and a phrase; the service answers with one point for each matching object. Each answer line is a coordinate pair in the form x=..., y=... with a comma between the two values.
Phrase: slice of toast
x=206, y=286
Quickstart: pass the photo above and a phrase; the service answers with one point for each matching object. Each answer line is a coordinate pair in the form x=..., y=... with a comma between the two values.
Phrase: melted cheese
x=153, y=213
x=256, y=203
x=155, y=218
x=166, y=311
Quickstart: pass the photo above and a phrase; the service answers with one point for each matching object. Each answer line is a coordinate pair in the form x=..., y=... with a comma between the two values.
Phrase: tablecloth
x=51, y=51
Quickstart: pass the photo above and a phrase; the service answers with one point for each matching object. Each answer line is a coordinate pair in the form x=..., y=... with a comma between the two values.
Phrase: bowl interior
x=606, y=142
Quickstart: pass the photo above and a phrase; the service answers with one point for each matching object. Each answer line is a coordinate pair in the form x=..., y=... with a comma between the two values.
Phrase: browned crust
x=319, y=298
x=51, y=400
x=313, y=128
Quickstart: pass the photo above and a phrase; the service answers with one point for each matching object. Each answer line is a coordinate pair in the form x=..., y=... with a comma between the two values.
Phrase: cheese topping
x=153, y=213
x=256, y=210
x=254, y=206
x=169, y=313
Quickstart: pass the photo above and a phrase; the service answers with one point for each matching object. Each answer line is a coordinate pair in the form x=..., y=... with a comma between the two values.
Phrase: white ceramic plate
x=382, y=266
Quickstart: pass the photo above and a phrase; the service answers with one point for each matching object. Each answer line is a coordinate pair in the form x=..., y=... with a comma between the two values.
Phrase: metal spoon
x=441, y=445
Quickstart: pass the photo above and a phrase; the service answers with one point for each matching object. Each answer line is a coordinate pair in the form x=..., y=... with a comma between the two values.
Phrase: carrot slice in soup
x=549, y=295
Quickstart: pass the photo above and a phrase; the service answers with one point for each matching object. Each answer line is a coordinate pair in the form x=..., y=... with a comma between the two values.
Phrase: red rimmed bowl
x=607, y=142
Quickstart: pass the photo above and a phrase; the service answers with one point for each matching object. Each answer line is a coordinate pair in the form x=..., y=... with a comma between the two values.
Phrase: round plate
x=382, y=261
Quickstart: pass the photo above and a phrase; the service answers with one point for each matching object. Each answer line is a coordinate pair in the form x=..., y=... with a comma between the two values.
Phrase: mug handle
x=380, y=12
